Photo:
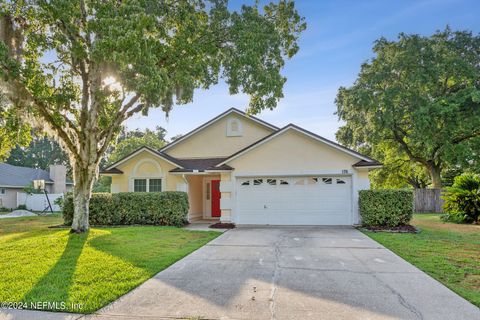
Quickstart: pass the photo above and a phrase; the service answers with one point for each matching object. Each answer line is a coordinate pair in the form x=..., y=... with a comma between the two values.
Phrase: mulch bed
x=220, y=225
x=398, y=229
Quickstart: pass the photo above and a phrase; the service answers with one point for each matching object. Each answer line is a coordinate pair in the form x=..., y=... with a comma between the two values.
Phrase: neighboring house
x=240, y=169
x=14, y=179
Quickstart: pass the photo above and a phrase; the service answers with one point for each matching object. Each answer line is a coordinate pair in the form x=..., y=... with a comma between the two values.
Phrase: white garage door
x=294, y=200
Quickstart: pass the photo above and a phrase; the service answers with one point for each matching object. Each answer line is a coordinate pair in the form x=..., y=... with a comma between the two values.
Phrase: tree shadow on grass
x=150, y=248
x=54, y=286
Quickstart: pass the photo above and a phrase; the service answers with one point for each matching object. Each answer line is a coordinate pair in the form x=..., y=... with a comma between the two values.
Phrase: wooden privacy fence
x=428, y=200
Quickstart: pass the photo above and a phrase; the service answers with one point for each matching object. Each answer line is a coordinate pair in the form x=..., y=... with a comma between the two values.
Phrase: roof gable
x=304, y=132
x=215, y=120
x=181, y=165
x=171, y=160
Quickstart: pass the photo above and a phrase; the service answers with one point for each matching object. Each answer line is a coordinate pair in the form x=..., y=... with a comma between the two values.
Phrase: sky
x=338, y=39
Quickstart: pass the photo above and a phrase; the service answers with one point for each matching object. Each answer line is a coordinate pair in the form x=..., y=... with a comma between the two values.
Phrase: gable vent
x=234, y=127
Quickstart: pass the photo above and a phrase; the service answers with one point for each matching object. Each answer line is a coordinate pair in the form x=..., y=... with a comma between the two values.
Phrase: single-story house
x=14, y=179
x=240, y=169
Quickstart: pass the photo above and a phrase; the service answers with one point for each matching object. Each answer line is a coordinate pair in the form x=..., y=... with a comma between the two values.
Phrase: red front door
x=216, y=198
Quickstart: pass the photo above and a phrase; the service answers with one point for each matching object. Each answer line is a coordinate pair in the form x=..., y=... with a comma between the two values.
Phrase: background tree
x=418, y=98
x=130, y=141
x=13, y=130
x=80, y=68
x=40, y=153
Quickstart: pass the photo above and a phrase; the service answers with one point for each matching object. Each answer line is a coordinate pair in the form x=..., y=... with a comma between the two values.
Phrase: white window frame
x=161, y=184
x=3, y=191
x=148, y=183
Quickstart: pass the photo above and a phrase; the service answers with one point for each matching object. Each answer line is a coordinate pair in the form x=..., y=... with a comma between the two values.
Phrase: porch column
x=226, y=189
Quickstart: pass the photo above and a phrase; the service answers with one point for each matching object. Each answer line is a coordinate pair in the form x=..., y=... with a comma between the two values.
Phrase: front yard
x=85, y=272
x=448, y=252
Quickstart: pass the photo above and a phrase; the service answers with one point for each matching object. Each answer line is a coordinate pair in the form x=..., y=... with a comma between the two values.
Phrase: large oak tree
x=13, y=131
x=417, y=99
x=80, y=68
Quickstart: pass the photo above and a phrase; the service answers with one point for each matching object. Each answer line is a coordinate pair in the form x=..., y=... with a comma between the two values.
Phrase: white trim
x=296, y=129
x=207, y=209
x=146, y=160
x=198, y=173
x=138, y=152
x=208, y=123
x=376, y=166
x=248, y=174
x=189, y=173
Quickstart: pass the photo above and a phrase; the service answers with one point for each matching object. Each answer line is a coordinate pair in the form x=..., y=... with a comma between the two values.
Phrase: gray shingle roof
x=364, y=163
x=189, y=165
x=21, y=176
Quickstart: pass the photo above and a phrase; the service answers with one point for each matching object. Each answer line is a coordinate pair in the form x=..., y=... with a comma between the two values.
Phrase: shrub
x=388, y=208
x=168, y=208
x=22, y=207
x=462, y=199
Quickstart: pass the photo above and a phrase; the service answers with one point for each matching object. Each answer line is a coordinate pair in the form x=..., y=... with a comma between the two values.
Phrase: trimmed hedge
x=168, y=208
x=386, y=208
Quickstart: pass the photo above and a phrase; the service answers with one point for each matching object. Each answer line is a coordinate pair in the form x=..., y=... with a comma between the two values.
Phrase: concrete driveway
x=291, y=273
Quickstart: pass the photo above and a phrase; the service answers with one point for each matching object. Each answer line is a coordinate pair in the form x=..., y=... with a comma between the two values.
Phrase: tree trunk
x=435, y=170
x=82, y=192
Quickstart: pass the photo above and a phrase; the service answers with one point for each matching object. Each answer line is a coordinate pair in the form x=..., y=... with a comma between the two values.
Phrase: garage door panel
x=304, y=218
x=303, y=201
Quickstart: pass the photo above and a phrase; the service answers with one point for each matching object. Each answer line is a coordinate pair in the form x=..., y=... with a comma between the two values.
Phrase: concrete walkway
x=289, y=273
x=18, y=214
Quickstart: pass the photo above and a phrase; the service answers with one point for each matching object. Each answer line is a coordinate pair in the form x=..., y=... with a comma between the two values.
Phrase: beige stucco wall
x=363, y=179
x=212, y=141
x=145, y=165
x=195, y=196
x=295, y=153
x=292, y=152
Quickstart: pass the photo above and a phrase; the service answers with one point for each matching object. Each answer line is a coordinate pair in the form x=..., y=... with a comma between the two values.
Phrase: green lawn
x=448, y=252
x=88, y=270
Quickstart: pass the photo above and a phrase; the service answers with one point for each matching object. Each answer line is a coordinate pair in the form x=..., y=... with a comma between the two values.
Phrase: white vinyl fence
x=38, y=202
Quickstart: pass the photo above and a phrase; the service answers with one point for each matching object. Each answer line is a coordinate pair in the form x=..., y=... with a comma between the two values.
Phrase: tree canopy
x=130, y=141
x=79, y=68
x=13, y=131
x=40, y=153
x=417, y=99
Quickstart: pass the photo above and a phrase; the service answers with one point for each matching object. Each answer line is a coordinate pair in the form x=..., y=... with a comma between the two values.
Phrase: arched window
x=147, y=176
